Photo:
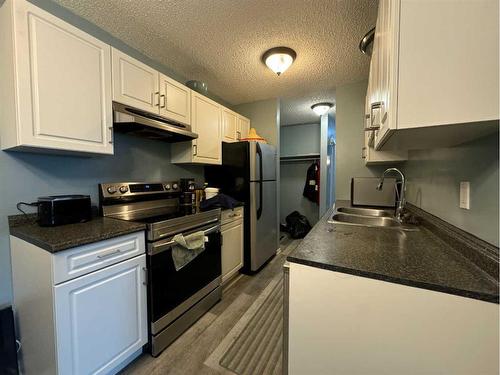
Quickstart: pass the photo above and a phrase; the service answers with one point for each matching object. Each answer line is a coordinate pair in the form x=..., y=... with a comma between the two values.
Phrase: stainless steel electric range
x=176, y=299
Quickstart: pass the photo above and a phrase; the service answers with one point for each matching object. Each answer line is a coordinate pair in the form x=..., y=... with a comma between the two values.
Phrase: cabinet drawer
x=88, y=258
x=230, y=215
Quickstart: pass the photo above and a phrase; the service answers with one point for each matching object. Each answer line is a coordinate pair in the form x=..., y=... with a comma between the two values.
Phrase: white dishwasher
x=232, y=231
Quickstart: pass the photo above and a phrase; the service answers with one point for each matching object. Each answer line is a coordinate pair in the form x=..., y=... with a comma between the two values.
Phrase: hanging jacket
x=311, y=188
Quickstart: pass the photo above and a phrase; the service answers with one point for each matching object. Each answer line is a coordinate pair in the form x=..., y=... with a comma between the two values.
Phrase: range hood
x=127, y=119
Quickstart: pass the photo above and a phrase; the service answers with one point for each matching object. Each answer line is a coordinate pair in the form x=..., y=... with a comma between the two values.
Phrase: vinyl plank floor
x=188, y=354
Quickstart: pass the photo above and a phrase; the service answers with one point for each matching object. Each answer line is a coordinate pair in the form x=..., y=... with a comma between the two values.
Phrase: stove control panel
x=125, y=189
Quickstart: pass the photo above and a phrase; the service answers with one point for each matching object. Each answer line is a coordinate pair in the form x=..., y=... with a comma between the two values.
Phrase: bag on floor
x=297, y=225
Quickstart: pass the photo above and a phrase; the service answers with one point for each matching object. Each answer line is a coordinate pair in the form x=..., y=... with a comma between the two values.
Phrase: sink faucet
x=401, y=197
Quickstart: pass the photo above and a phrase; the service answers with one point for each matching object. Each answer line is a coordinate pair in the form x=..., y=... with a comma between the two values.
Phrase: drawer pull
x=117, y=251
x=234, y=215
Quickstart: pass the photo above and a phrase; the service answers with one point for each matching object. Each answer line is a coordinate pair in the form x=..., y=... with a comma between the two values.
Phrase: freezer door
x=263, y=224
x=262, y=162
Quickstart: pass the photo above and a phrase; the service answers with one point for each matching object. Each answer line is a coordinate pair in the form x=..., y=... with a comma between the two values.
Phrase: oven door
x=172, y=292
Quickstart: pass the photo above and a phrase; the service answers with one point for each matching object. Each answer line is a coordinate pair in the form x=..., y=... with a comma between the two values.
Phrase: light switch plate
x=465, y=195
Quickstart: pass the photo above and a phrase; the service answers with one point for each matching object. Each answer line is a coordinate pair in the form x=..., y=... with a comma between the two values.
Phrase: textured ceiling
x=221, y=41
x=297, y=110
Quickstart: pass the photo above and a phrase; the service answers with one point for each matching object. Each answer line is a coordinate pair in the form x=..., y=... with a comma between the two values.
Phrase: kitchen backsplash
x=434, y=178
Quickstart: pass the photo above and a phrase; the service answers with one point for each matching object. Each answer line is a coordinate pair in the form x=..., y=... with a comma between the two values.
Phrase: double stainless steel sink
x=367, y=217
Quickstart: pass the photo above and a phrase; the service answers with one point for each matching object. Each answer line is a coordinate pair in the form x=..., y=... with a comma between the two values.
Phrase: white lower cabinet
x=94, y=322
x=345, y=324
x=101, y=318
x=232, y=243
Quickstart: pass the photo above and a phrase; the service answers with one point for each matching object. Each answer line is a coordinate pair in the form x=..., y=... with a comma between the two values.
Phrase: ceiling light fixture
x=321, y=108
x=279, y=59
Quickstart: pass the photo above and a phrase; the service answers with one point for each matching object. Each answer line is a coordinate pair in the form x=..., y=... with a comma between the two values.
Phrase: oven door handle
x=160, y=247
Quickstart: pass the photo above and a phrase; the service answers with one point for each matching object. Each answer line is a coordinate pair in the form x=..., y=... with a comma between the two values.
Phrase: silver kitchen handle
x=145, y=276
x=363, y=153
x=157, y=94
x=163, y=246
x=164, y=101
x=102, y=256
x=234, y=215
x=111, y=138
x=238, y=137
x=382, y=116
x=195, y=150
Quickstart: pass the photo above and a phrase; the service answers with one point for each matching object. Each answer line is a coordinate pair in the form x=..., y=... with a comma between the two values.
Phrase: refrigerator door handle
x=259, y=209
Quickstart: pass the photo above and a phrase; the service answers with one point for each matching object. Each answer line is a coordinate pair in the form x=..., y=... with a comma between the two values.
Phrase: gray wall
x=26, y=176
x=433, y=184
x=297, y=140
x=350, y=107
x=264, y=118
x=300, y=139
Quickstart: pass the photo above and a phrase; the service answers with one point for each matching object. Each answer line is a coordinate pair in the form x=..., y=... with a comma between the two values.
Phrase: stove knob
x=123, y=189
x=175, y=186
x=167, y=186
x=111, y=189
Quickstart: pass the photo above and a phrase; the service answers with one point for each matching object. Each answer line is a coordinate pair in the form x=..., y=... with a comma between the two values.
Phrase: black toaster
x=63, y=209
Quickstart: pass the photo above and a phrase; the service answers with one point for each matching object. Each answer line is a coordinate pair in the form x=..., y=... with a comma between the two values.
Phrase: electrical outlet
x=465, y=195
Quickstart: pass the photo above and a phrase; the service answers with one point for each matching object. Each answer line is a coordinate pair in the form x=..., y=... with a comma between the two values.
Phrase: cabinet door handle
x=156, y=102
x=111, y=140
x=238, y=135
x=102, y=256
x=162, y=97
x=363, y=153
x=195, y=150
x=145, y=282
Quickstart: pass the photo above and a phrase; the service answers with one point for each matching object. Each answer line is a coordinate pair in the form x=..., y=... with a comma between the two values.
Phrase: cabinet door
x=387, y=54
x=206, y=121
x=101, y=318
x=135, y=83
x=243, y=127
x=232, y=249
x=63, y=84
x=175, y=100
x=229, y=125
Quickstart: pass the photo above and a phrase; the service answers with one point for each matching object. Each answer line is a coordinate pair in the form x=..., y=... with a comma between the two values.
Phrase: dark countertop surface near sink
x=414, y=258
x=54, y=239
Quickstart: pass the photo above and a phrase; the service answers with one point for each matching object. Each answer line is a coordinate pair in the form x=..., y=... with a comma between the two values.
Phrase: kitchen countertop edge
x=387, y=278
x=28, y=233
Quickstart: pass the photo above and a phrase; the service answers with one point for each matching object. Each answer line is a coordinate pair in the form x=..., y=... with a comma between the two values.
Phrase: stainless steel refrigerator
x=248, y=174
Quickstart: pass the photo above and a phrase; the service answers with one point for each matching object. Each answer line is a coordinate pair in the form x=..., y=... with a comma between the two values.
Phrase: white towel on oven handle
x=187, y=248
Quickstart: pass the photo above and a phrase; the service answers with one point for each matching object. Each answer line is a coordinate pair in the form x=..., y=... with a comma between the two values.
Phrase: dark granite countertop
x=54, y=239
x=415, y=258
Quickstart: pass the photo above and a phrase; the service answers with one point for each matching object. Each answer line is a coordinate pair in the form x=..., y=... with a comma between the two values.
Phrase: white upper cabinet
x=234, y=126
x=135, y=83
x=56, y=84
x=243, y=127
x=207, y=124
x=175, y=100
x=229, y=125
x=445, y=73
x=206, y=121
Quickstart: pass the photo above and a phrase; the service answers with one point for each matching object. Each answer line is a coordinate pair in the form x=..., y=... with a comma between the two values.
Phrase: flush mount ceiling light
x=279, y=59
x=321, y=108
